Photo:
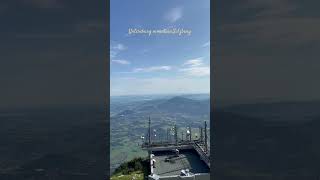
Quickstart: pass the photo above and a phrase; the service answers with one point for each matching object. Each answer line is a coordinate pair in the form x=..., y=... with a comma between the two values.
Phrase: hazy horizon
x=162, y=94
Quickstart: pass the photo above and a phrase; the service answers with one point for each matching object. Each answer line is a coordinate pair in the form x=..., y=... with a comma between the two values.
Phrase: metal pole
x=205, y=136
x=187, y=136
x=200, y=132
x=201, y=136
x=149, y=131
x=149, y=139
x=190, y=133
x=167, y=134
x=176, y=134
x=181, y=135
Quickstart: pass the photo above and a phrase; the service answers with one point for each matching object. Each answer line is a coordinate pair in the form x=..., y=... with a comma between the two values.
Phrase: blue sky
x=160, y=63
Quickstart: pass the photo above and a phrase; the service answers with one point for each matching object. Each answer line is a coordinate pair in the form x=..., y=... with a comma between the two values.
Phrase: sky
x=266, y=50
x=159, y=63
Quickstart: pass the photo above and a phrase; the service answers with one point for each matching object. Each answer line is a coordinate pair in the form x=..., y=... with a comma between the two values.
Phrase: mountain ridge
x=177, y=104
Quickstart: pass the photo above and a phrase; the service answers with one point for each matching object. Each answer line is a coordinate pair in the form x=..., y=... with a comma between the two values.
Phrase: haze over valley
x=129, y=120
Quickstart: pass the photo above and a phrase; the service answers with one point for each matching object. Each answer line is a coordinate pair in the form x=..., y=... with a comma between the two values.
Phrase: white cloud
x=152, y=69
x=195, y=67
x=197, y=71
x=207, y=44
x=118, y=47
x=113, y=54
x=123, y=62
x=194, y=62
x=174, y=14
x=145, y=51
x=115, y=49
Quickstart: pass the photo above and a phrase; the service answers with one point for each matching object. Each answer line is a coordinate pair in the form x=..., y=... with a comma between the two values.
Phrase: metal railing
x=203, y=154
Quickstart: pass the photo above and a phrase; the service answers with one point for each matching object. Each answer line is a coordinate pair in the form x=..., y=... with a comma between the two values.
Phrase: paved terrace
x=182, y=145
x=188, y=159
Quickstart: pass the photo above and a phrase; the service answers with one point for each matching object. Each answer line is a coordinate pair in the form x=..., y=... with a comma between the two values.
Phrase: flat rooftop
x=188, y=159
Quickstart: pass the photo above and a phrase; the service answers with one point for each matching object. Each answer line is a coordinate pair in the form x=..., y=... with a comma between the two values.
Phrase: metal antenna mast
x=205, y=136
x=167, y=134
x=201, y=134
x=176, y=134
x=181, y=135
x=149, y=131
x=190, y=133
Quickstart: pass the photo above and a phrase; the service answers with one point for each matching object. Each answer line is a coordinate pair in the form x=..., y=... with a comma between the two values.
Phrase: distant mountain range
x=175, y=105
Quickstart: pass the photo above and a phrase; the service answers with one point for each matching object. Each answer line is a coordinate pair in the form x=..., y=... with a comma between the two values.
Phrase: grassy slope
x=136, y=175
x=136, y=169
